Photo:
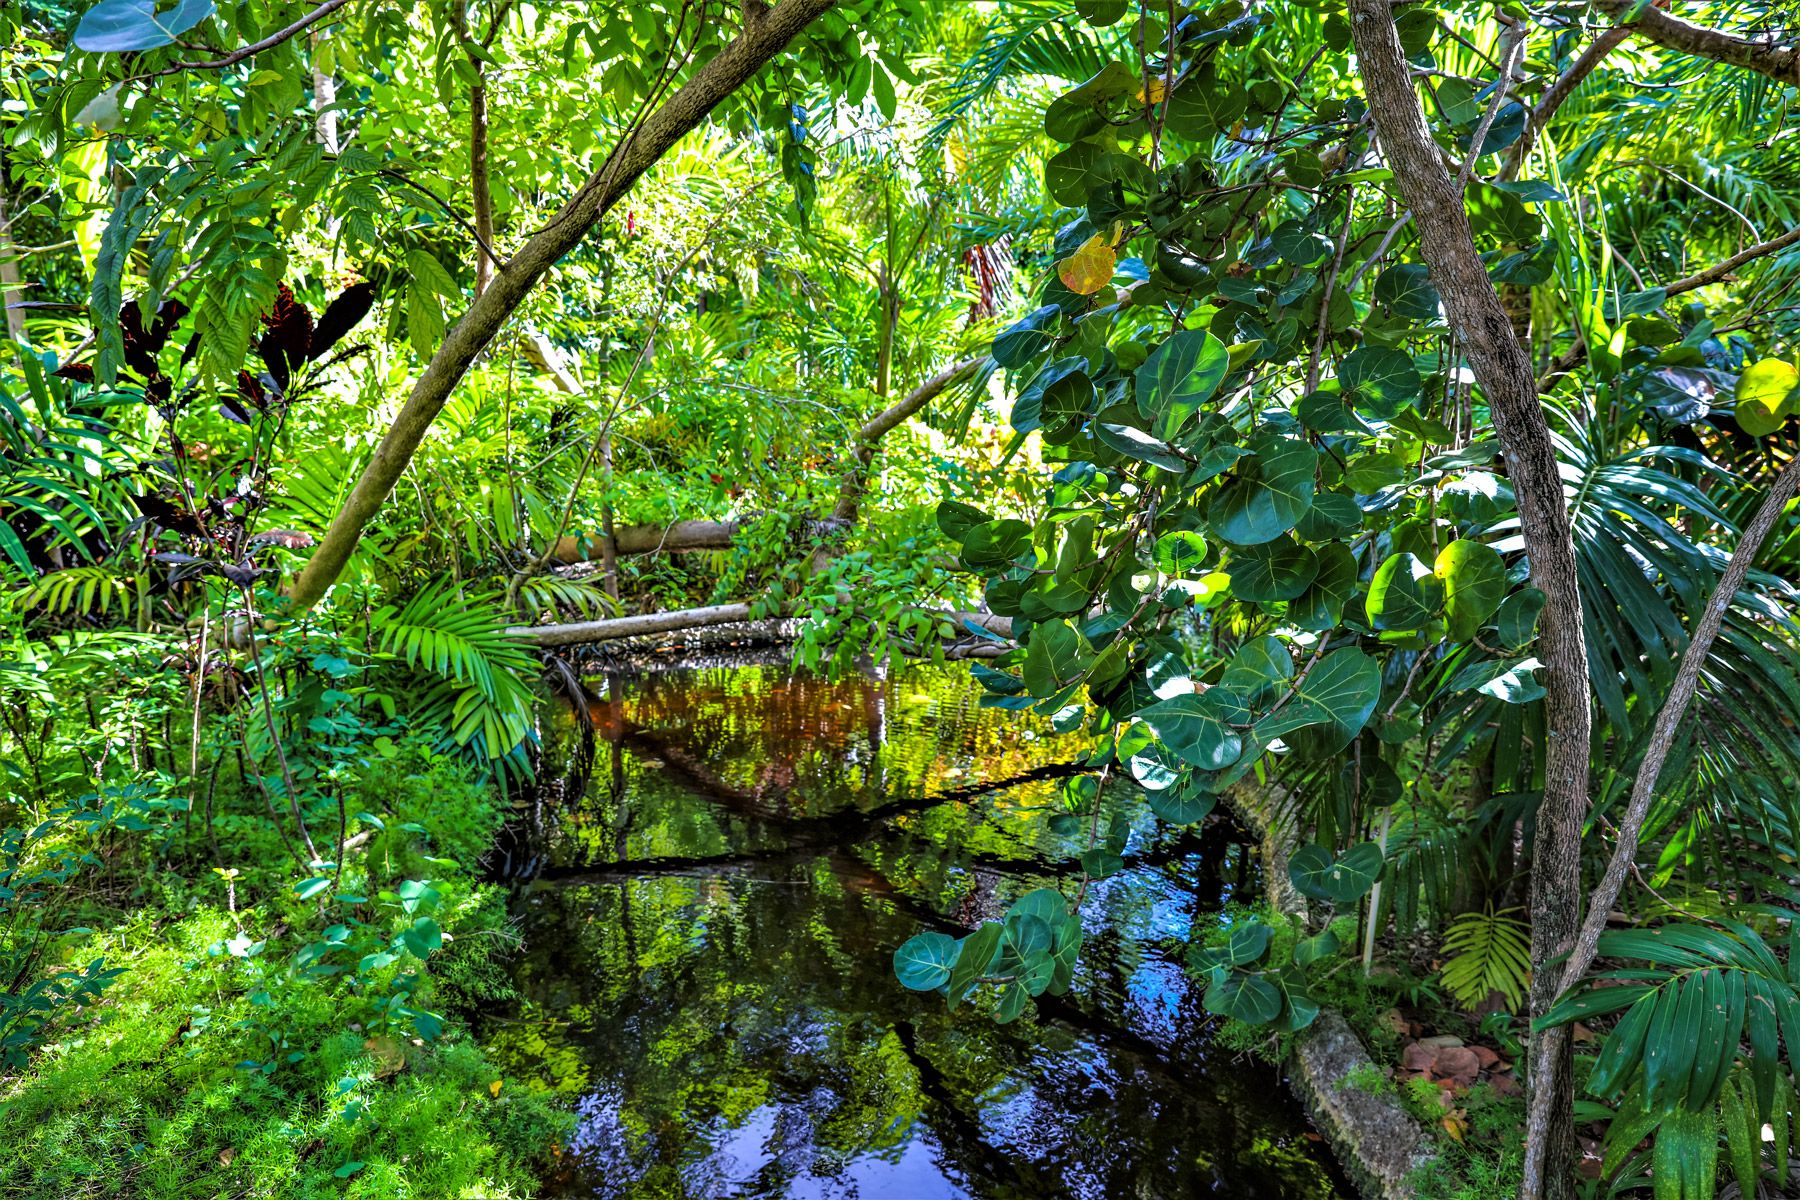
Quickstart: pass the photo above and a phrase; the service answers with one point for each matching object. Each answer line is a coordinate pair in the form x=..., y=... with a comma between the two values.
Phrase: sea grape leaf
x=1244, y=997
x=1340, y=692
x=923, y=961
x=1474, y=579
x=1404, y=594
x=1270, y=495
x=1340, y=880
x=1198, y=727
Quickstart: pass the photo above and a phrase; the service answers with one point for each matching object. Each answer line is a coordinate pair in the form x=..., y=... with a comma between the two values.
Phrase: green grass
x=146, y=1093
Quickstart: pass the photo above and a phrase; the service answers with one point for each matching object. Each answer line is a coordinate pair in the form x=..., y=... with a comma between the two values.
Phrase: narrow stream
x=708, y=928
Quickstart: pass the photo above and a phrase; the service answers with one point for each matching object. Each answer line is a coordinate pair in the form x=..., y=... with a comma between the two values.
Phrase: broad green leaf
x=1340, y=692
x=1081, y=110
x=1321, y=606
x=1474, y=579
x=1763, y=392
x=995, y=544
x=1243, y=997
x=1046, y=904
x=1379, y=381
x=1273, y=490
x=1199, y=727
x=121, y=26
x=1180, y=375
x=1181, y=553
x=1259, y=669
x=1026, y=339
x=956, y=519
x=1516, y=620
x=1406, y=290
x=1340, y=880
x=1275, y=571
x=1404, y=594
x=424, y=938
x=975, y=956
x=1183, y=805
x=1244, y=945
x=923, y=961
x=1320, y=945
x=1055, y=658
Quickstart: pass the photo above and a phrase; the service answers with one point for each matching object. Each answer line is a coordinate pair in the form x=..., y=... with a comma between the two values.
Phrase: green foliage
x=1488, y=952
x=479, y=696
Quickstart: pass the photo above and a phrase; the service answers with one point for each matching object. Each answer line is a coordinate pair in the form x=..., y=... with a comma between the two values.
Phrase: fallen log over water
x=606, y=629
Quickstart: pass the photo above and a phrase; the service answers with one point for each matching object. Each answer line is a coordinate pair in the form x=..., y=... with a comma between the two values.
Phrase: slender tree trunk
x=1503, y=370
x=765, y=33
x=10, y=282
x=479, y=195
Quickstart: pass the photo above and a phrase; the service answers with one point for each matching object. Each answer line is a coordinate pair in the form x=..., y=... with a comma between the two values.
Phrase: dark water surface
x=707, y=962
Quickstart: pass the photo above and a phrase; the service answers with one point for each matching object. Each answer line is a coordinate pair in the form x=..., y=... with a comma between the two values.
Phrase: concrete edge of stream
x=1379, y=1144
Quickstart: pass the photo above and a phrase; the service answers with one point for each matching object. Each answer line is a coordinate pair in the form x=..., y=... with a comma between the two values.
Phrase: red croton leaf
x=289, y=337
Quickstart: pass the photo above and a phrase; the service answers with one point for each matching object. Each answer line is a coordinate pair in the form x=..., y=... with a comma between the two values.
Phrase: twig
x=237, y=56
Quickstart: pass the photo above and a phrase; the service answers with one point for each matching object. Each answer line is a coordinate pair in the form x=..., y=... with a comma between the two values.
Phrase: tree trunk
x=765, y=33
x=1503, y=370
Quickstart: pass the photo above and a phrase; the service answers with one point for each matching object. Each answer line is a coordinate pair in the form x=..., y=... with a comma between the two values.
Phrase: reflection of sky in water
x=738, y=1028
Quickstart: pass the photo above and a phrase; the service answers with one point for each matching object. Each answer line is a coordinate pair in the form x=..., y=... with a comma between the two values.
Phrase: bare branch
x=1779, y=61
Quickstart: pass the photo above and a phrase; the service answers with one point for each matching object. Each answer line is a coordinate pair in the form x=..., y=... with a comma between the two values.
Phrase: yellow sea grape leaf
x=1762, y=396
x=1090, y=268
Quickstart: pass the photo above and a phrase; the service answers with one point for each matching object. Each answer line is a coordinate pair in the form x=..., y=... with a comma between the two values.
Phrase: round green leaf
x=1046, y=904
x=923, y=962
x=1198, y=727
x=1180, y=375
x=1243, y=997
x=1278, y=570
x=1273, y=490
x=1406, y=290
x=1379, y=381
x=1404, y=594
x=1183, y=806
x=1244, y=945
x=1321, y=606
x=120, y=26
x=1474, y=578
x=996, y=543
x=1340, y=880
x=1762, y=396
x=1516, y=622
x=1340, y=692
x=1181, y=553
x=1026, y=339
x=1320, y=945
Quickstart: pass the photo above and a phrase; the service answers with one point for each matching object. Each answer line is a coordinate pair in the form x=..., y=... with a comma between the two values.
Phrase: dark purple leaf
x=242, y=575
x=175, y=558
x=289, y=336
x=162, y=513
x=79, y=372
x=143, y=345
x=341, y=316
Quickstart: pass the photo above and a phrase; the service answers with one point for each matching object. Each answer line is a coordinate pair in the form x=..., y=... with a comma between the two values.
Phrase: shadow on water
x=709, y=924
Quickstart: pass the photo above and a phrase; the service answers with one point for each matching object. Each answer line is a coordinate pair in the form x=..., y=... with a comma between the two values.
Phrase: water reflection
x=707, y=963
